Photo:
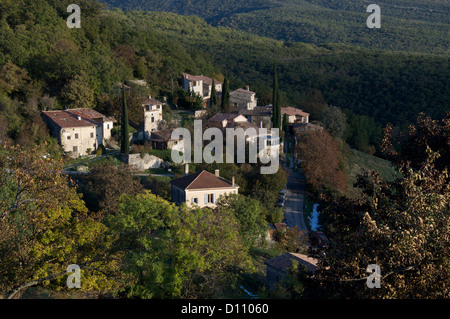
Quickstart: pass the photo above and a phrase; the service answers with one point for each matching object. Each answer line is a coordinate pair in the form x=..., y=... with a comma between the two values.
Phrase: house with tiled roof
x=202, y=189
x=243, y=99
x=164, y=140
x=201, y=85
x=223, y=120
x=277, y=268
x=294, y=115
x=153, y=115
x=261, y=116
x=79, y=131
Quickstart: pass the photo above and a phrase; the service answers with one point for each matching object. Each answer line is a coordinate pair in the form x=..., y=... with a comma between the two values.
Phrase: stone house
x=153, y=115
x=277, y=268
x=243, y=99
x=79, y=131
x=294, y=115
x=202, y=189
x=201, y=85
x=223, y=120
x=261, y=116
x=163, y=140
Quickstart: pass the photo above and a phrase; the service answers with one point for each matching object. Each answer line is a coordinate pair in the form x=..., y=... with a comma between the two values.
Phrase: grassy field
x=358, y=162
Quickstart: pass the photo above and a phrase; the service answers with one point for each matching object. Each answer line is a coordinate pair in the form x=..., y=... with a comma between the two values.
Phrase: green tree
x=250, y=214
x=334, y=121
x=213, y=100
x=77, y=93
x=173, y=252
x=276, y=115
x=225, y=102
x=124, y=127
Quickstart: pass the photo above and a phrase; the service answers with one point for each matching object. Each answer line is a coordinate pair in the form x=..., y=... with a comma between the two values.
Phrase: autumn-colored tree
x=45, y=227
x=320, y=161
x=403, y=226
x=107, y=182
x=291, y=240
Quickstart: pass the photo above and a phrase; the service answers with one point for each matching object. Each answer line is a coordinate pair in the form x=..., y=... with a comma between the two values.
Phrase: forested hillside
x=407, y=25
x=45, y=65
x=385, y=86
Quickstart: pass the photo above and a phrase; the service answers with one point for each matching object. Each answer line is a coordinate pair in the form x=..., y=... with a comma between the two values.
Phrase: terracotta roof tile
x=293, y=111
x=201, y=180
x=205, y=79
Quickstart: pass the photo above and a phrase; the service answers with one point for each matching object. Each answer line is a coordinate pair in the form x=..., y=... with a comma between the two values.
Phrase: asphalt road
x=294, y=201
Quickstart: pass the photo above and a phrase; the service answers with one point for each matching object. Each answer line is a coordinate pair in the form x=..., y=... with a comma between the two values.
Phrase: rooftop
x=201, y=180
x=293, y=111
x=205, y=79
x=259, y=110
x=163, y=136
x=151, y=101
x=243, y=91
x=219, y=117
x=76, y=117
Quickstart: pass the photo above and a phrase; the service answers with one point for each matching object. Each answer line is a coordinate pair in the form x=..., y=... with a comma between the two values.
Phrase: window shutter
x=214, y=198
x=206, y=198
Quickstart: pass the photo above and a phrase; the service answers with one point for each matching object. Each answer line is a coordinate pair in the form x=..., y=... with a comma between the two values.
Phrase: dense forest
x=319, y=21
x=46, y=65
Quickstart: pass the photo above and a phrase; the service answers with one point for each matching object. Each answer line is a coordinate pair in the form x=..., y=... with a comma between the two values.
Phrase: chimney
x=232, y=181
x=217, y=173
x=79, y=118
x=186, y=169
x=149, y=96
x=247, y=88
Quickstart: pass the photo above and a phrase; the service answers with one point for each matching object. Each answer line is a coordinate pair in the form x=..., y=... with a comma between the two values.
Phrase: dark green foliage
x=225, y=102
x=276, y=103
x=322, y=21
x=213, y=99
x=125, y=131
x=101, y=150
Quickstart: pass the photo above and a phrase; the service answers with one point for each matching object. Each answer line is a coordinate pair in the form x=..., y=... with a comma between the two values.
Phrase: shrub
x=101, y=150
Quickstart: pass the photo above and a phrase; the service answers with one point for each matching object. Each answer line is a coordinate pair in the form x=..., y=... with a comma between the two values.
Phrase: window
x=68, y=137
x=107, y=126
x=210, y=198
x=76, y=135
x=269, y=142
x=92, y=135
x=153, y=119
x=194, y=200
x=158, y=107
x=75, y=149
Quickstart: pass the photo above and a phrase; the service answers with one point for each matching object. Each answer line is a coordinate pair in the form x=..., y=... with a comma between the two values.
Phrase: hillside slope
x=407, y=25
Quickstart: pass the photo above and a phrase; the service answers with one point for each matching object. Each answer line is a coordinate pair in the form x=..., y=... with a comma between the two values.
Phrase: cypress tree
x=213, y=101
x=225, y=103
x=125, y=134
x=276, y=116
